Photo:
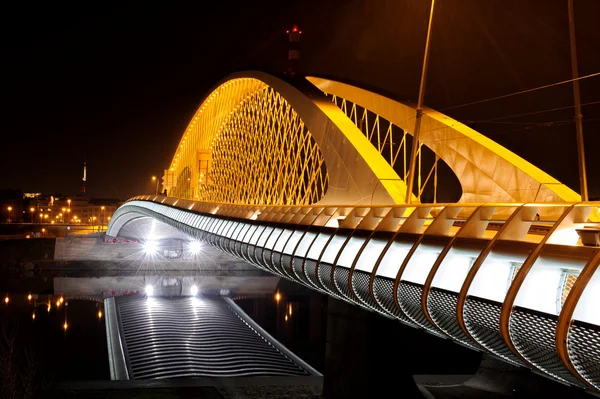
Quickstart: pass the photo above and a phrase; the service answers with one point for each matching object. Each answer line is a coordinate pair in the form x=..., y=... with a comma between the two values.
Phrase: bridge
x=307, y=181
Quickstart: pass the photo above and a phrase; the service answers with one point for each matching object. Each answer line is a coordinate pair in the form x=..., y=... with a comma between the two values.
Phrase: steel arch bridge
x=306, y=181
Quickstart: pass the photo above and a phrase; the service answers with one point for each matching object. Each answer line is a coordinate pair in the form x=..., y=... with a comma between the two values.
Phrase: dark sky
x=117, y=84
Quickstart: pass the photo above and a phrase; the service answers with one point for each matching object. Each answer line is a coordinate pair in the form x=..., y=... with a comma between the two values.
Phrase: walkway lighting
x=150, y=247
x=194, y=247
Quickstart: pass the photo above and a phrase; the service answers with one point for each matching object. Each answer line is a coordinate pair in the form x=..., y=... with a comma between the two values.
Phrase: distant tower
x=83, y=181
x=294, y=50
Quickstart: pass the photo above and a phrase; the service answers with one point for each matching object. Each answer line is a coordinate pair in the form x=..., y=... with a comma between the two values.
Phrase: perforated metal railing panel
x=185, y=337
x=442, y=309
x=383, y=291
x=310, y=271
x=324, y=275
x=533, y=334
x=297, y=266
x=276, y=257
x=360, y=284
x=584, y=350
x=267, y=261
x=409, y=298
x=482, y=319
x=286, y=264
x=340, y=280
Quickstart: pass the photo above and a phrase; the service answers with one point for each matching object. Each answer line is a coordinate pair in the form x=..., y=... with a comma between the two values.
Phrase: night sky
x=117, y=84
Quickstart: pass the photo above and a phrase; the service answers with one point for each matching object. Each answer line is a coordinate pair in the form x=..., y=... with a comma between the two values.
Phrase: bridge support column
x=356, y=362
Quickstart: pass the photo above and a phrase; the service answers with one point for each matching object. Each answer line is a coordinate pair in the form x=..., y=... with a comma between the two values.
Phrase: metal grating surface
x=243, y=250
x=533, y=334
x=310, y=271
x=276, y=257
x=360, y=285
x=584, y=351
x=324, y=275
x=482, y=319
x=409, y=298
x=266, y=260
x=383, y=291
x=298, y=272
x=286, y=264
x=341, y=276
x=194, y=337
x=442, y=309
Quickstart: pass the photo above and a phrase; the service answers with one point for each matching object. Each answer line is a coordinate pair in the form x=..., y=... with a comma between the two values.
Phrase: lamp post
x=102, y=217
x=32, y=210
x=9, y=210
x=156, y=180
x=415, y=143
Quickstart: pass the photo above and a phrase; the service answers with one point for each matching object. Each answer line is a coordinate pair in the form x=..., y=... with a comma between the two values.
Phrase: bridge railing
x=495, y=277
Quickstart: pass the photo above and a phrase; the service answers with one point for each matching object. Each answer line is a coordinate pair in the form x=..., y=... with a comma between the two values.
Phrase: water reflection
x=59, y=312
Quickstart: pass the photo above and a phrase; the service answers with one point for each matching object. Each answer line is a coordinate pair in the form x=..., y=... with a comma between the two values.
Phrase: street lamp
x=69, y=202
x=156, y=180
x=102, y=221
x=9, y=210
x=32, y=210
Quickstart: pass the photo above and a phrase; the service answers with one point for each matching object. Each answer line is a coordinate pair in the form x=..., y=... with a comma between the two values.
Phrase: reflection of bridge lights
x=194, y=247
x=151, y=247
x=194, y=290
x=149, y=290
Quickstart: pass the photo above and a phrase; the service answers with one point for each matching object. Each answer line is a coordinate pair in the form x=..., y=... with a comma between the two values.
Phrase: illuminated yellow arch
x=486, y=171
x=257, y=139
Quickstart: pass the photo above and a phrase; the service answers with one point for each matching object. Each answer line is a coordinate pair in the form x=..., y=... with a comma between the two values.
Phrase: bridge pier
x=356, y=362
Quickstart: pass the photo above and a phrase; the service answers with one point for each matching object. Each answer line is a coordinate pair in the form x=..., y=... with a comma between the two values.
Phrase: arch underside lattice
x=246, y=144
x=264, y=154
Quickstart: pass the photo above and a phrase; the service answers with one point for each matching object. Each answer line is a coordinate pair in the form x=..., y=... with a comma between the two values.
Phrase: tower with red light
x=84, y=180
x=294, y=50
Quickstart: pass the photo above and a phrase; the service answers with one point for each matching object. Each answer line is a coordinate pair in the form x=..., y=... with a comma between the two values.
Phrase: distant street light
x=156, y=180
x=32, y=210
x=9, y=210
